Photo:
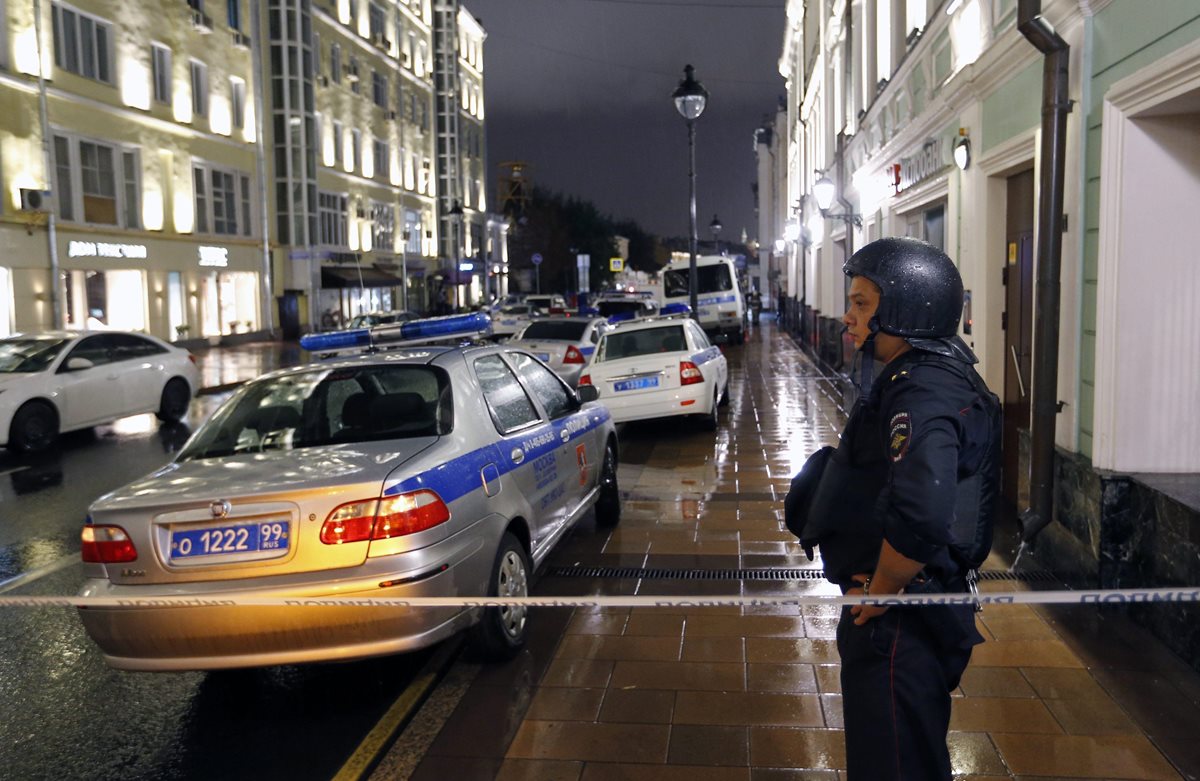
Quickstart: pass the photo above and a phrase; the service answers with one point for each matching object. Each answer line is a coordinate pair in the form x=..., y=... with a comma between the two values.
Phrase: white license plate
x=635, y=384
x=235, y=538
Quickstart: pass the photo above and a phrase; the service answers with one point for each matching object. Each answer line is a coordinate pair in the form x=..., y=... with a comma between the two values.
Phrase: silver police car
x=421, y=471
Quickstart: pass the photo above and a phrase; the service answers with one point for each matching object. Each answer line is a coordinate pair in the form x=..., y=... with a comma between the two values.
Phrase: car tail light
x=585, y=379
x=573, y=355
x=107, y=545
x=689, y=374
x=350, y=523
x=380, y=519
x=409, y=513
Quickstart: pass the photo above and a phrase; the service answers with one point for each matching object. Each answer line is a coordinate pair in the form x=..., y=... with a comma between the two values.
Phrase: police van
x=721, y=303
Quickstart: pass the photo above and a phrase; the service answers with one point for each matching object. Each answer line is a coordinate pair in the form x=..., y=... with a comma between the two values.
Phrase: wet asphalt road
x=66, y=715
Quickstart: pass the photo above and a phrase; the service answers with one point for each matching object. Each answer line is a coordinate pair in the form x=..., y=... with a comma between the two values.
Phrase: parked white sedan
x=57, y=381
x=657, y=368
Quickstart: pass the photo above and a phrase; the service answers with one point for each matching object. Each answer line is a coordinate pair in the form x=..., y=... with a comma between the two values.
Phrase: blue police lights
x=426, y=329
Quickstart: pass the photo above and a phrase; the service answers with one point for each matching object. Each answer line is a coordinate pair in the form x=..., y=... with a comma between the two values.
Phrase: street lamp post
x=714, y=228
x=690, y=99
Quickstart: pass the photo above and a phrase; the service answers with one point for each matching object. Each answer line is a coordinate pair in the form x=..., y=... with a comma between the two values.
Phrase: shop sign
x=217, y=257
x=102, y=249
x=923, y=165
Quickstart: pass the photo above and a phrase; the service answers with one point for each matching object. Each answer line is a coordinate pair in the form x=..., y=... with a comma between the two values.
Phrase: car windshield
x=328, y=407
x=647, y=341
x=709, y=279
x=571, y=331
x=25, y=355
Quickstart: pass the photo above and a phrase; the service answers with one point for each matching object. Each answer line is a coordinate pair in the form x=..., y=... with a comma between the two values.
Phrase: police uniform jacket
x=918, y=465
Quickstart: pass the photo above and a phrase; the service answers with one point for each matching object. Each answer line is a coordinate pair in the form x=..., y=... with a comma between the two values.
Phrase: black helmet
x=920, y=293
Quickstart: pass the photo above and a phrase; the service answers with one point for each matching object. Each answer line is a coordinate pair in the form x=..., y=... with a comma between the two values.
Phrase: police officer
x=906, y=505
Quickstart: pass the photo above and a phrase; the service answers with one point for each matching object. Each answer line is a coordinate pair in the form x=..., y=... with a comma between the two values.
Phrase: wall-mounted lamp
x=824, y=191
x=962, y=150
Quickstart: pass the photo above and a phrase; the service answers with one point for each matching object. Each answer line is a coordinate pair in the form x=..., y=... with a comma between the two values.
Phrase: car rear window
x=565, y=331
x=609, y=308
x=328, y=407
x=646, y=341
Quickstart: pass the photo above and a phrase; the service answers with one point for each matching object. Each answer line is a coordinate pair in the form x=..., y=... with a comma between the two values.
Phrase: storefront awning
x=349, y=277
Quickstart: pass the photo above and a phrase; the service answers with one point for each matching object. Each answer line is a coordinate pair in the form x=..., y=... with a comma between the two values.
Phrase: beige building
x=353, y=156
x=131, y=197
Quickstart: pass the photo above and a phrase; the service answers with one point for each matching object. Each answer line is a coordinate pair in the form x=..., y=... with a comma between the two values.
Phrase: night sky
x=581, y=91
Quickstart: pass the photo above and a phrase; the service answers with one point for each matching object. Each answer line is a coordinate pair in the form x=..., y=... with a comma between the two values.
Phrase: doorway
x=1017, y=323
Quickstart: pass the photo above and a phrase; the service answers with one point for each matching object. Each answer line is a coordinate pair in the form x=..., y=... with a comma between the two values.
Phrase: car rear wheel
x=176, y=397
x=501, y=633
x=608, y=506
x=34, y=428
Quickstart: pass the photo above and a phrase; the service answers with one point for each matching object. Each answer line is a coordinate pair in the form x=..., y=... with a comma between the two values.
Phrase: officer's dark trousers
x=896, y=682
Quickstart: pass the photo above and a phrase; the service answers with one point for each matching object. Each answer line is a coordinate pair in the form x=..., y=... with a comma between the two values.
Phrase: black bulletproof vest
x=843, y=519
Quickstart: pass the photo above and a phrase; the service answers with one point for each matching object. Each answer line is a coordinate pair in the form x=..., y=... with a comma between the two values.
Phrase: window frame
x=240, y=217
x=163, y=73
x=74, y=171
x=99, y=60
x=199, y=97
x=500, y=427
x=340, y=218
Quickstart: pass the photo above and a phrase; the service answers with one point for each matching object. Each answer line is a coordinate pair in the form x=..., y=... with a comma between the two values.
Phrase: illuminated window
x=82, y=44
x=199, y=74
x=160, y=71
x=332, y=209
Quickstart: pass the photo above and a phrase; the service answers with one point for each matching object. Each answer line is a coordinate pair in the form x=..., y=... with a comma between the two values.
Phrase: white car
x=658, y=368
x=513, y=318
x=563, y=343
x=57, y=381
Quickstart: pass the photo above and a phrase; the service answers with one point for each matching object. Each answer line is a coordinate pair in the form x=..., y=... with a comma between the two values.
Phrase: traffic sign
x=616, y=264
x=536, y=258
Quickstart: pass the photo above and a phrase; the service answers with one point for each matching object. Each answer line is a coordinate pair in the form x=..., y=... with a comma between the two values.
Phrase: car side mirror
x=78, y=364
x=588, y=393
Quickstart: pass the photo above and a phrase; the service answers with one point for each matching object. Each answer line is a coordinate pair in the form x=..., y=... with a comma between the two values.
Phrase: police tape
x=1126, y=596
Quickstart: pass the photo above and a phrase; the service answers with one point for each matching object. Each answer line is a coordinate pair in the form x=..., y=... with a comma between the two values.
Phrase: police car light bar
x=422, y=331
x=668, y=312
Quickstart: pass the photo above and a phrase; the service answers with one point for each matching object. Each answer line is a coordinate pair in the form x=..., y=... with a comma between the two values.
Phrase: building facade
x=132, y=196
x=203, y=169
x=927, y=118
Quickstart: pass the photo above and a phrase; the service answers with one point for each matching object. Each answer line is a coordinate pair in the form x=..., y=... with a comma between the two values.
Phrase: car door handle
x=517, y=455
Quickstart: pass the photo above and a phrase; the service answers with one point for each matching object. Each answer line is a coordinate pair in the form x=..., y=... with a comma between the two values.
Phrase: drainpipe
x=1055, y=106
x=267, y=289
x=56, y=309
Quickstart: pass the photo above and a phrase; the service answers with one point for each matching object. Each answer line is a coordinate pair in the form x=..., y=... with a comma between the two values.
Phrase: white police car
x=564, y=343
x=416, y=471
x=659, y=367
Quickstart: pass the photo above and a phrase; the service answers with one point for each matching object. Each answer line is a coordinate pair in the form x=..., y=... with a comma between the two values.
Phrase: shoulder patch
x=899, y=434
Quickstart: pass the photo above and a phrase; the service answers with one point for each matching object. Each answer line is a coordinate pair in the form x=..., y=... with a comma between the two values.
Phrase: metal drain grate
x=758, y=573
